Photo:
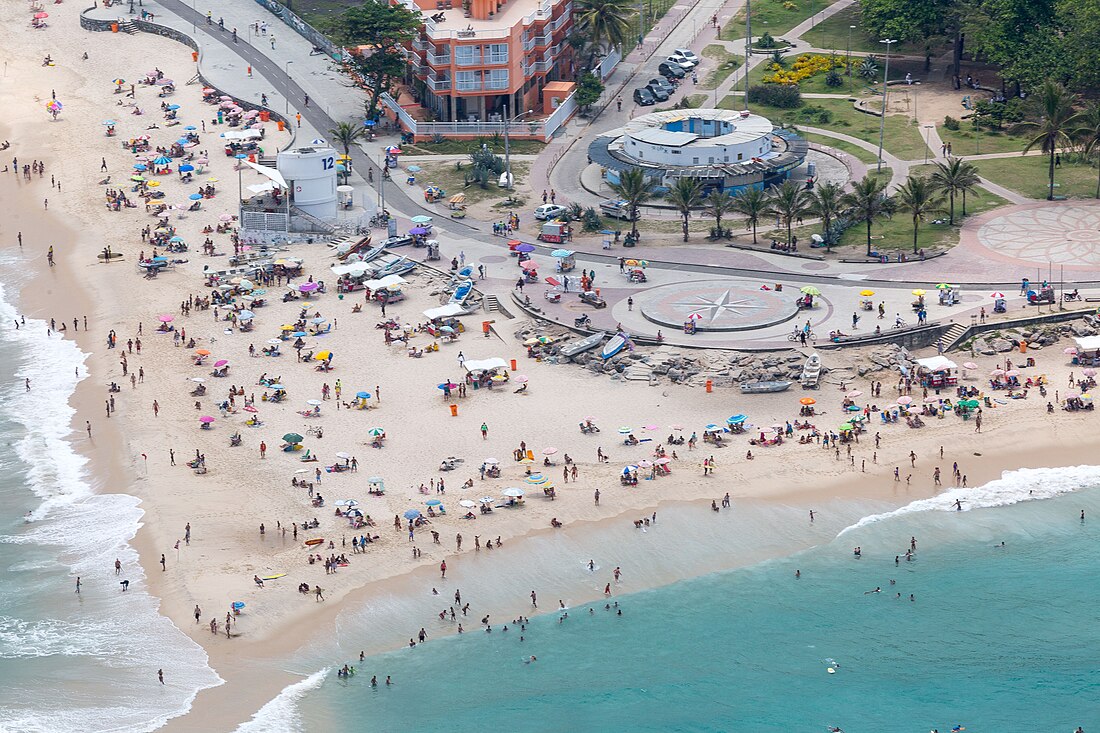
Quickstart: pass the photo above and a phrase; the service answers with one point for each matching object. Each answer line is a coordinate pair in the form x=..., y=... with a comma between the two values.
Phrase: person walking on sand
x=317, y=592
x=484, y=431
x=160, y=675
x=198, y=613
x=443, y=569
x=263, y=449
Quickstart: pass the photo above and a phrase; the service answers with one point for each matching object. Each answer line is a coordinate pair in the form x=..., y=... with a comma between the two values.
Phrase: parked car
x=681, y=62
x=618, y=209
x=662, y=82
x=687, y=55
x=644, y=97
x=658, y=92
x=671, y=71
x=549, y=211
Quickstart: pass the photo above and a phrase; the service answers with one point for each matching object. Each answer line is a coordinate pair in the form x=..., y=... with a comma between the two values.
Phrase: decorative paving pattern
x=720, y=304
x=1062, y=235
x=493, y=259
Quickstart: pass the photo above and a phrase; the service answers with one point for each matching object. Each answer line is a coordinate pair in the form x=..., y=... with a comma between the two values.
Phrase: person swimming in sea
x=869, y=592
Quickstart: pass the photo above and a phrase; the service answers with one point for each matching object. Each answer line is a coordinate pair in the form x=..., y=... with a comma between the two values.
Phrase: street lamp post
x=748, y=47
x=927, y=128
x=507, y=150
x=885, y=83
x=286, y=95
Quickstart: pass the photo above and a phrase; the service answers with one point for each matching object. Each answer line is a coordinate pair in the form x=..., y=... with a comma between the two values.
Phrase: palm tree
x=751, y=203
x=1053, y=105
x=867, y=202
x=604, y=21
x=718, y=204
x=1088, y=134
x=825, y=201
x=954, y=177
x=685, y=196
x=919, y=196
x=635, y=189
x=788, y=201
x=346, y=134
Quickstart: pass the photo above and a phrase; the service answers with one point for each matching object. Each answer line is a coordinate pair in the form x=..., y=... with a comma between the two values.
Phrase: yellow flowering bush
x=804, y=67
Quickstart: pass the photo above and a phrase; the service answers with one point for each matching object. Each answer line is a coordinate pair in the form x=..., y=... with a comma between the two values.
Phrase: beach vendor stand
x=1088, y=351
x=434, y=193
x=486, y=373
x=937, y=372
x=1000, y=304
x=565, y=260
x=445, y=317
x=555, y=231
x=865, y=302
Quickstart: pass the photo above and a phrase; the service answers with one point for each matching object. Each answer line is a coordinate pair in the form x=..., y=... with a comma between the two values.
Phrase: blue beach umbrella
x=363, y=395
x=172, y=107
x=186, y=167
x=299, y=334
x=736, y=419
x=163, y=160
x=420, y=219
x=195, y=196
x=276, y=386
x=368, y=123
x=433, y=502
x=182, y=141
x=109, y=123
x=190, y=127
x=141, y=167
x=240, y=156
x=412, y=513
x=712, y=427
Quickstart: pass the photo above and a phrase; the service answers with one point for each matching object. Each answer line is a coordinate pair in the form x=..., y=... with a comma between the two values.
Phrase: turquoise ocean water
x=71, y=662
x=998, y=639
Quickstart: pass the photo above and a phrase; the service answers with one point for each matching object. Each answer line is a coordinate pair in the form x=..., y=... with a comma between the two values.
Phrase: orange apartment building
x=475, y=58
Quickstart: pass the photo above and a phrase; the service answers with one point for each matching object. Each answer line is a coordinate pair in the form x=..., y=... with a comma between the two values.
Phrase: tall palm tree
x=635, y=189
x=685, y=196
x=919, y=196
x=604, y=21
x=346, y=134
x=1088, y=134
x=867, y=202
x=955, y=176
x=718, y=204
x=1053, y=106
x=788, y=201
x=751, y=203
x=825, y=201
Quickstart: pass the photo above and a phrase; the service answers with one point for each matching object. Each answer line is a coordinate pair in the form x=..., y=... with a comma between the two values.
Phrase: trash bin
x=454, y=410
x=114, y=27
x=514, y=367
x=281, y=124
x=195, y=56
x=710, y=385
x=265, y=115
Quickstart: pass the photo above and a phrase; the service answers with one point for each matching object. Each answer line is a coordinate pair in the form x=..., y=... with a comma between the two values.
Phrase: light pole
x=507, y=151
x=748, y=47
x=885, y=83
x=926, y=135
x=848, y=54
x=286, y=95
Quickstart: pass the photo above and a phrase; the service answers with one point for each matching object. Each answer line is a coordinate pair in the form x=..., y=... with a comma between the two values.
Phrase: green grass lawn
x=903, y=138
x=1029, y=176
x=854, y=150
x=727, y=63
x=772, y=16
x=832, y=33
x=452, y=181
x=965, y=141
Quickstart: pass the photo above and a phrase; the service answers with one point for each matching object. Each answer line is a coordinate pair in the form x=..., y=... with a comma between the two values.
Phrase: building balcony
x=444, y=60
x=438, y=85
x=542, y=41
x=469, y=86
x=454, y=25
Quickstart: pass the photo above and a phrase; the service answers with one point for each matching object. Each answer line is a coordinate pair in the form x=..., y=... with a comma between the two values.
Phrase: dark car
x=644, y=97
x=659, y=92
x=663, y=83
x=671, y=71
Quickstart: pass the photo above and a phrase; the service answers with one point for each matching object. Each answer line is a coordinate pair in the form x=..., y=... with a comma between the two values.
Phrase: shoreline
x=227, y=506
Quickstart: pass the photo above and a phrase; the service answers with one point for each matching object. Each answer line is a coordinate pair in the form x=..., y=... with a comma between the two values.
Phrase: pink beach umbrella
x=221, y=362
x=307, y=287
x=166, y=318
x=997, y=373
x=645, y=464
x=1072, y=395
x=663, y=461
x=549, y=451
x=1070, y=350
x=970, y=365
x=1012, y=373
x=853, y=394
x=1089, y=372
x=997, y=295
x=905, y=400
x=206, y=419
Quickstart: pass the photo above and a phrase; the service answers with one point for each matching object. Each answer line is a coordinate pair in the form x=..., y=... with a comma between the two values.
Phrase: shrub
x=950, y=123
x=783, y=96
x=833, y=79
x=766, y=41
x=591, y=220
x=438, y=138
x=789, y=6
x=868, y=69
x=804, y=67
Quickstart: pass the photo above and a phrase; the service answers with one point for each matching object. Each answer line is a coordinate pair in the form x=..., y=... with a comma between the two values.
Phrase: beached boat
x=613, y=346
x=397, y=267
x=778, y=385
x=462, y=292
x=347, y=249
x=399, y=241
x=579, y=346
x=371, y=254
x=811, y=372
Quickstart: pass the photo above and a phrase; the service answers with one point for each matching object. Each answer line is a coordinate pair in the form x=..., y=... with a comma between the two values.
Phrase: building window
x=710, y=159
x=467, y=55
x=695, y=161
x=498, y=79
x=677, y=152
x=740, y=156
x=467, y=80
x=498, y=53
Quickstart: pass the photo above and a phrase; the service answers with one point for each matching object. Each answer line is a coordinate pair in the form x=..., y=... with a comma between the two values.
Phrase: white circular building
x=722, y=148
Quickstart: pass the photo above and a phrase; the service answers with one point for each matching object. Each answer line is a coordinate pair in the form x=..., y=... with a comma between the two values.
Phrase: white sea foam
x=1024, y=484
x=111, y=635
x=280, y=715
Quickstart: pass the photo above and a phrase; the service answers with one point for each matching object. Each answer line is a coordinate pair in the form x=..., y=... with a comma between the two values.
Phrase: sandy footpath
x=226, y=506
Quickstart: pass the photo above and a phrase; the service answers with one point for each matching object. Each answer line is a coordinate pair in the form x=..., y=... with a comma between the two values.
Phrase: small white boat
x=613, y=346
x=778, y=385
x=811, y=372
x=579, y=346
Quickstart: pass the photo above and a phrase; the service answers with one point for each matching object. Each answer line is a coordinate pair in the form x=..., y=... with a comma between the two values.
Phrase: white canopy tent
x=445, y=311
x=270, y=173
x=484, y=365
x=242, y=135
x=355, y=269
x=937, y=364
x=1088, y=343
x=385, y=282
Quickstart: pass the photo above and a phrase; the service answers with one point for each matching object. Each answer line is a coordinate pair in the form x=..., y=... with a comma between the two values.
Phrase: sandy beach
x=144, y=451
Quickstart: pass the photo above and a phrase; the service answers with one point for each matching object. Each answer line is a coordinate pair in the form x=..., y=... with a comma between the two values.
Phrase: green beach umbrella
x=292, y=438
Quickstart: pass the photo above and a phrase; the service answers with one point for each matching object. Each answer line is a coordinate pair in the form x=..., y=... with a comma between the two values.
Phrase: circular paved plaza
x=721, y=305
x=1061, y=234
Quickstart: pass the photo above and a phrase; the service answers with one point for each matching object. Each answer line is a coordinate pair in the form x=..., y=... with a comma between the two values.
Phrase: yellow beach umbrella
x=866, y=293
x=322, y=355
x=918, y=292
x=286, y=327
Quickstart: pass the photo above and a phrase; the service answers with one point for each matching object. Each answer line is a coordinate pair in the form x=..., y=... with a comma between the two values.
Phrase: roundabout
x=716, y=305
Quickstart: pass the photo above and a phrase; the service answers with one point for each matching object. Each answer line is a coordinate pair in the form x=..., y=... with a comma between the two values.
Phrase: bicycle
x=796, y=335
